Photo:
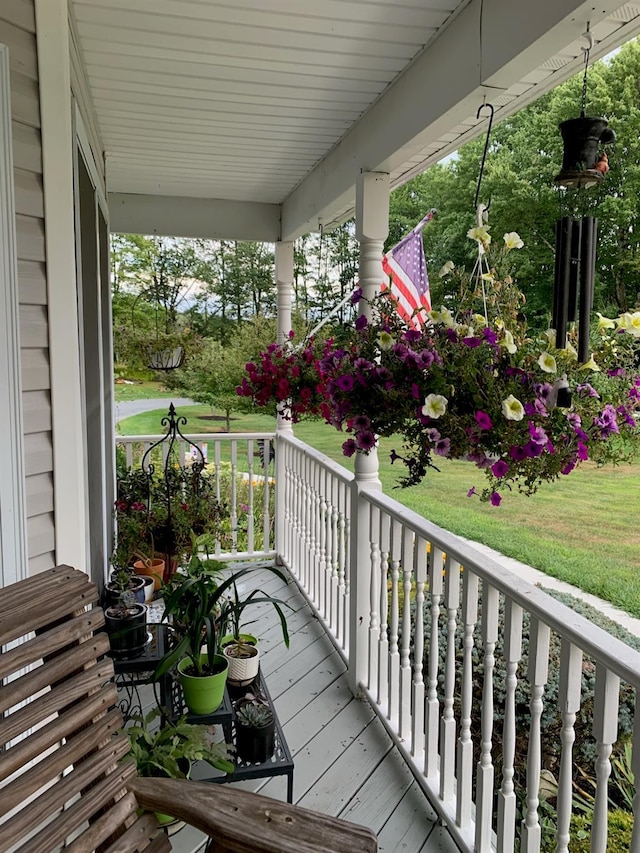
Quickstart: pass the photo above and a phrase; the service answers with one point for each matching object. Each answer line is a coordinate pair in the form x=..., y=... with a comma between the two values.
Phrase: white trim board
x=64, y=348
x=13, y=513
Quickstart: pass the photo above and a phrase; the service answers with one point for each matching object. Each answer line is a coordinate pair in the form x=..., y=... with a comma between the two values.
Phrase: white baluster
x=342, y=564
x=432, y=706
x=347, y=567
x=129, y=453
x=250, y=531
x=507, y=800
x=605, y=732
x=464, y=763
x=635, y=767
x=447, y=722
x=335, y=557
x=569, y=701
x=417, y=719
x=383, y=645
x=216, y=454
x=485, y=769
x=405, y=661
x=394, y=654
x=537, y=674
x=234, y=497
x=266, y=515
x=322, y=541
x=374, y=622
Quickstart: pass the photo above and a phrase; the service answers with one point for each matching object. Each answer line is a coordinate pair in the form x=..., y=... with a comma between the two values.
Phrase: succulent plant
x=255, y=715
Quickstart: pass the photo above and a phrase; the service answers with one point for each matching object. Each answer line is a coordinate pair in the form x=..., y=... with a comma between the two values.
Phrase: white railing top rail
x=339, y=471
x=199, y=437
x=594, y=641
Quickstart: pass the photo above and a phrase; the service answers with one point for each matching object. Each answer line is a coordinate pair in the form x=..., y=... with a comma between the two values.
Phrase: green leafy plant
x=169, y=748
x=233, y=608
x=193, y=602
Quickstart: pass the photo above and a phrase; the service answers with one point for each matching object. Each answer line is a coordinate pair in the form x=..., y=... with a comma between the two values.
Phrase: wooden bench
x=65, y=782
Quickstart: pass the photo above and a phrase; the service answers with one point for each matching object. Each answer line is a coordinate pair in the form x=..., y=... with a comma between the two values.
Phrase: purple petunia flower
x=568, y=468
x=489, y=335
x=361, y=323
x=361, y=422
x=412, y=335
x=442, y=447
x=349, y=447
x=583, y=452
x=356, y=296
x=499, y=469
x=483, y=420
x=617, y=371
x=432, y=435
x=496, y=499
x=345, y=382
x=471, y=492
x=587, y=390
x=366, y=440
x=517, y=453
x=532, y=449
x=472, y=342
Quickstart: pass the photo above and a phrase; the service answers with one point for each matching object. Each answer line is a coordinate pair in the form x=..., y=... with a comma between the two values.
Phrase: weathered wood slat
x=138, y=836
x=55, y=700
x=56, y=670
x=102, y=829
x=247, y=823
x=50, y=642
x=67, y=787
x=73, y=750
x=83, y=809
x=61, y=727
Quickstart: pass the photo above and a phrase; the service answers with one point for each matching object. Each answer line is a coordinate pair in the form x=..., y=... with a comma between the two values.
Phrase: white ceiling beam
x=440, y=89
x=182, y=216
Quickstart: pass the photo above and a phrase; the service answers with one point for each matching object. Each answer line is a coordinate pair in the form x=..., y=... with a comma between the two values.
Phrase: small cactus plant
x=255, y=715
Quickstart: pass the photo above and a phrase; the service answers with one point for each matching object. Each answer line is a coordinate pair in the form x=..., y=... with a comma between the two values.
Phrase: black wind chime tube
x=562, y=276
x=587, y=267
x=574, y=270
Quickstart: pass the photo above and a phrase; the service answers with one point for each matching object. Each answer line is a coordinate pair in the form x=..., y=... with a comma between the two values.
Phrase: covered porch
x=236, y=121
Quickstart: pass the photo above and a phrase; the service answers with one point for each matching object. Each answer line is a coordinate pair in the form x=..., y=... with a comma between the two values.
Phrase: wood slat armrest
x=242, y=822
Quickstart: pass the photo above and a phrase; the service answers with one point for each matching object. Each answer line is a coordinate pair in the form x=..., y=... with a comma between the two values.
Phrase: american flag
x=407, y=270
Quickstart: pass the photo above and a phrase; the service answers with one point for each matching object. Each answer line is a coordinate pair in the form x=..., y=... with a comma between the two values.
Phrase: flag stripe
x=404, y=285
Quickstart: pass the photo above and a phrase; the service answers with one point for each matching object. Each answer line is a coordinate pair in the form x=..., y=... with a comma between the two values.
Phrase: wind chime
x=584, y=165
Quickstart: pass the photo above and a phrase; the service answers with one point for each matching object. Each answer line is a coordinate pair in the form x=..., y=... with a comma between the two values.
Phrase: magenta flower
x=361, y=323
x=471, y=492
x=483, y=420
x=496, y=499
x=349, y=447
x=442, y=447
x=583, y=452
x=366, y=440
x=499, y=469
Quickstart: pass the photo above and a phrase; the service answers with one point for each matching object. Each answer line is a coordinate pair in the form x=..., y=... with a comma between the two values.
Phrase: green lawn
x=581, y=529
x=141, y=391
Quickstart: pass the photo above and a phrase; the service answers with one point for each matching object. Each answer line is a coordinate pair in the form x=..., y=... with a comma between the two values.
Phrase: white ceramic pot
x=242, y=670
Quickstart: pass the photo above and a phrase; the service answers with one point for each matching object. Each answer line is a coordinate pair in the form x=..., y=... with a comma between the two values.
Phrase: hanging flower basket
x=465, y=387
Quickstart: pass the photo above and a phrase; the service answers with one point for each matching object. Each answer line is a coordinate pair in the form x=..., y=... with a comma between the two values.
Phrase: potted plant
x=166, y=749
x=255, y=731
x=123, y=580
x=126, y=624
x=149, y=565
x=241, y=648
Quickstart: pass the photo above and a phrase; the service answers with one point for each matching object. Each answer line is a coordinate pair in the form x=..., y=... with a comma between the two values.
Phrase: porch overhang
x=207, y=218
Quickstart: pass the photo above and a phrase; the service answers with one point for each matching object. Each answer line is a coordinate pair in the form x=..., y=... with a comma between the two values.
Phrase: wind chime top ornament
x=584, y=161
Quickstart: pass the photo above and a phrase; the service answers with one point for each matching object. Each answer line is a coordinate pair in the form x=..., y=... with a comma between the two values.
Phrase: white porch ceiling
x=221, y=116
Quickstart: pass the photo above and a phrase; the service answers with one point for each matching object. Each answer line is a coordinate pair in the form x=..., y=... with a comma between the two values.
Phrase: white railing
x=455, y=644
x=242, y=468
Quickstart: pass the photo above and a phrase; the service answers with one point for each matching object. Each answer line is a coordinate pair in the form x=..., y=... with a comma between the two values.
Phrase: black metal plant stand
x=170, y=443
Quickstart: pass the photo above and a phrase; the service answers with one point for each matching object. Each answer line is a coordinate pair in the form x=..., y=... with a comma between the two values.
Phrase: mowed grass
x=582, y=529
x=141, y=391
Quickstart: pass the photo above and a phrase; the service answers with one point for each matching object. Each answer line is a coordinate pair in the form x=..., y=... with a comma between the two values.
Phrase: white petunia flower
x=512, y=240
x=385, y=340
x=435, y=405
x=570, y=351
x=630, y=323
x=508, y=342
x=605, y=322
x=446, y=269
x=547, y=363
x=512, y=409
x=590, y=365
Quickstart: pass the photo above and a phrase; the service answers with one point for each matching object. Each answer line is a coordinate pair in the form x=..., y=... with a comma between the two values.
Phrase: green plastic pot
x=203, y=694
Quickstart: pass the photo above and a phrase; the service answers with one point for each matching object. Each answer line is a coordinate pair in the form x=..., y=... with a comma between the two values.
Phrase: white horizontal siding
x=17, y=31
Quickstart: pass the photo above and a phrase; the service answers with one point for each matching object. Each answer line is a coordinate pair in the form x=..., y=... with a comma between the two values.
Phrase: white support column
x=372, y=227
x=64, y=348
x=284, y=285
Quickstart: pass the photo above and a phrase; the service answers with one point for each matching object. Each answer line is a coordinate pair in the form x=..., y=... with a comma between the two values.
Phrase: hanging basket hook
x=484, y=106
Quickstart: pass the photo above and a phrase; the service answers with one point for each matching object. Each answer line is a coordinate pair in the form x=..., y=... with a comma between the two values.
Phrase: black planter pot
x=127, y=634
x=582, y=138
x=112, y=595
x=255, y=745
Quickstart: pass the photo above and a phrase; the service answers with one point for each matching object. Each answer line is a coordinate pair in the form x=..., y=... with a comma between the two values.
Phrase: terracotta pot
x=154, y=568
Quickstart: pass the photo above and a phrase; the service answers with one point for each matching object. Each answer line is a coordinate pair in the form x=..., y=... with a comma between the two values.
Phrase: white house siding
x=17, y=31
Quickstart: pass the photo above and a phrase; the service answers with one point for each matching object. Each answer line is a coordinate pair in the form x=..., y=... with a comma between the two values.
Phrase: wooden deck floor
x=345, y=764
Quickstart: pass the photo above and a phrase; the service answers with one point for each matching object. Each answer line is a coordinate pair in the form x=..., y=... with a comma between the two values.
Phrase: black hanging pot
x=582, y=138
